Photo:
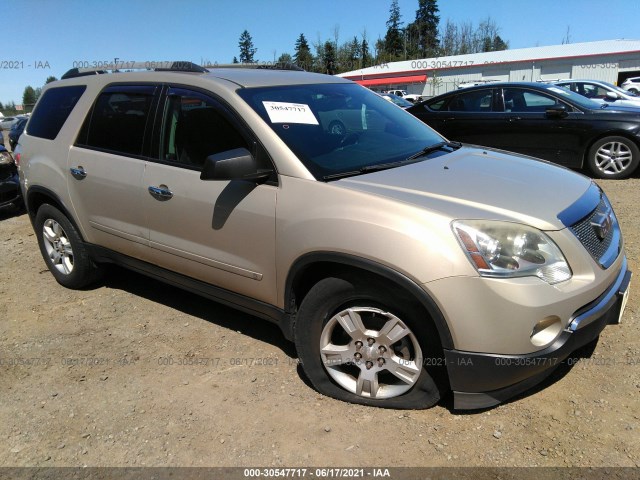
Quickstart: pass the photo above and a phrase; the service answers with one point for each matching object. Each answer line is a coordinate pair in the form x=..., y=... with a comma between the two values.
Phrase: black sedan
x=544, y=121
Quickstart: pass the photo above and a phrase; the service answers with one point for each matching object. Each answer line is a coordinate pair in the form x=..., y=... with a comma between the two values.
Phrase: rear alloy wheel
x=613, y=157
x=358, y=344
x=63, y=250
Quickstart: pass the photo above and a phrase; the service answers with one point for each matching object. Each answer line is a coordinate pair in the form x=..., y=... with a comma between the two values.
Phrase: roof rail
x=265, y=66
x=127, y=66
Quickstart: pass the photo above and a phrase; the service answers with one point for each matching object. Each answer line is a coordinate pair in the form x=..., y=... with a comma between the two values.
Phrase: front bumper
x=481, y=380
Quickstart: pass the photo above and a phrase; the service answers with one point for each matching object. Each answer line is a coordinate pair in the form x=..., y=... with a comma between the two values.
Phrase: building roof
x=571, y=50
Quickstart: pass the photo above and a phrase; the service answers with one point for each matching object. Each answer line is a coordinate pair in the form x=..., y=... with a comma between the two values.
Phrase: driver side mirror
x=236, y=164
x=557, y=111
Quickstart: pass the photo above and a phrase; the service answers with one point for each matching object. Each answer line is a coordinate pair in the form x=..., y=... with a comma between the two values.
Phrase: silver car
x=602, y=92
x=403, y=266
x=632, y=85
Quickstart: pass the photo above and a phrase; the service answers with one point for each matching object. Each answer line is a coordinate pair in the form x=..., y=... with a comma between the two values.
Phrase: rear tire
x=361, y=344
x=63, y=250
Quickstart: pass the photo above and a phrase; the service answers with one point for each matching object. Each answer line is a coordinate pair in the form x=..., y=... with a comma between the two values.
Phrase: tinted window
x=476, y=101
x=437, y=105
x=53, y=109
x=194, y=128
x=118, y=120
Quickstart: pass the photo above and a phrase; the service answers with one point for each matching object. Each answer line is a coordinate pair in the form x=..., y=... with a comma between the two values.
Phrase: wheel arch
x=38, y=196
x=309, y=269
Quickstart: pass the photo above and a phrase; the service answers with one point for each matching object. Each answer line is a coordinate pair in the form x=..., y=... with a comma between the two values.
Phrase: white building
x=611, y=60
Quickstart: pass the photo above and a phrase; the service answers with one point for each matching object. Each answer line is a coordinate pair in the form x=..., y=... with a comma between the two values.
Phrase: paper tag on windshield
x=284, y=112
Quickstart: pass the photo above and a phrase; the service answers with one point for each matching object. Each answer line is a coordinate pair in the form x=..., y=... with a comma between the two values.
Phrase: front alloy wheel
x=365, y=342
x=370, y=352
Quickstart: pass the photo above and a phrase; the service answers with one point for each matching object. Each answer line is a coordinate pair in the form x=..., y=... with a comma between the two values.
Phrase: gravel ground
x=136, y=373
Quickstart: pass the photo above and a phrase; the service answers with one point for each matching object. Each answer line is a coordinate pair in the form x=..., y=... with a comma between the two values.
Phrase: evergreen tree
x=29, y=96
x=247, y=50
x=365, y=56
x=329, y=58
x=499, y=44
x=235, y=59
x=354, y=51
x=302, y=56
x=50, y=79
x=393, y=40
x=424, y=30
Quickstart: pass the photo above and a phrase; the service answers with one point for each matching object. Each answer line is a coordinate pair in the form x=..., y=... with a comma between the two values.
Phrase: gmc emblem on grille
x=601, y=224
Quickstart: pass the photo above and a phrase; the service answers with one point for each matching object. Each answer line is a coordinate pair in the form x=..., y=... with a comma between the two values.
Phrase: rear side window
x=53, y=109
x=118, y=121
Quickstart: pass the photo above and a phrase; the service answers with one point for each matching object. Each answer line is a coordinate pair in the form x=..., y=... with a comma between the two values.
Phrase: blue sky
x=46, y=37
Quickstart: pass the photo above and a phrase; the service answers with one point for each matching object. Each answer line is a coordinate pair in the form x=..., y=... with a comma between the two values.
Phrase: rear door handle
x=161, y=193
x=515, y=119
x=78, y=172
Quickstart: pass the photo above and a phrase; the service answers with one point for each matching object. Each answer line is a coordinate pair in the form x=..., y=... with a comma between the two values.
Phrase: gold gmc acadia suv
x=403, y=266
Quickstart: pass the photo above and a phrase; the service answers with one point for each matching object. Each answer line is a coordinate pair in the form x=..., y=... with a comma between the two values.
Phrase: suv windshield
x=339, y=128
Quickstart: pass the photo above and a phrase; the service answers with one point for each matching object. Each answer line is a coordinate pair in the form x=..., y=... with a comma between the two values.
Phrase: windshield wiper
x=436, y=146
x=368, y=169
x=385, y=166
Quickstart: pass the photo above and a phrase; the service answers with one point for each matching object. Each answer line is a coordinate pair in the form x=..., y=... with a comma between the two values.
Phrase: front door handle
x=515, y=119
x=78, y=172
x=160, y=192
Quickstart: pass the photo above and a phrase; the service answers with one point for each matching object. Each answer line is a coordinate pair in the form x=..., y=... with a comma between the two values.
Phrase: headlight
x=5, y=158
x=503, y=249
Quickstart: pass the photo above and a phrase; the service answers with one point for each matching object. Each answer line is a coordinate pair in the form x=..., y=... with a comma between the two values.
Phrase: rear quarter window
x=52, y=111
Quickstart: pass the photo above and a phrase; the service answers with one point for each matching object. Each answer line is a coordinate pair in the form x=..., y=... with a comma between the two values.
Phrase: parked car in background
x=400, y=93
x=16, y=131
x=602, y=92
x=413, y=97
x=395, y=99
x=7, y=122
x=474, y=83
x=632, y=85
x=10, y=194
x=541, y=120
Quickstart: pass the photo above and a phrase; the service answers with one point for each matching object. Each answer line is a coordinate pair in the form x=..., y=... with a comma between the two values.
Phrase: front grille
x=588, y=235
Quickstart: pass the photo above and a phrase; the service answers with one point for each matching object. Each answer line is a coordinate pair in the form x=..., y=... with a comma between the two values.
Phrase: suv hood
x=472, y=183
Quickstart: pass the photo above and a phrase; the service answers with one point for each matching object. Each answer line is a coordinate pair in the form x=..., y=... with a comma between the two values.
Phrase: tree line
x=29, y=98
x=421, y=38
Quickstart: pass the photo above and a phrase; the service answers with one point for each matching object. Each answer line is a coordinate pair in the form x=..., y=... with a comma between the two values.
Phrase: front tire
x=63, y=250
x=361, y=344
x=613, y=158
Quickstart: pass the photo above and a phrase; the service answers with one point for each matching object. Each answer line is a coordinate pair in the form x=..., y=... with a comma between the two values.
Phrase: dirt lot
x=135, y=373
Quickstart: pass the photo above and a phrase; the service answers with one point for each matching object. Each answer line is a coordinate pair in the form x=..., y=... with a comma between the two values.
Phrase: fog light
x=546, y=331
